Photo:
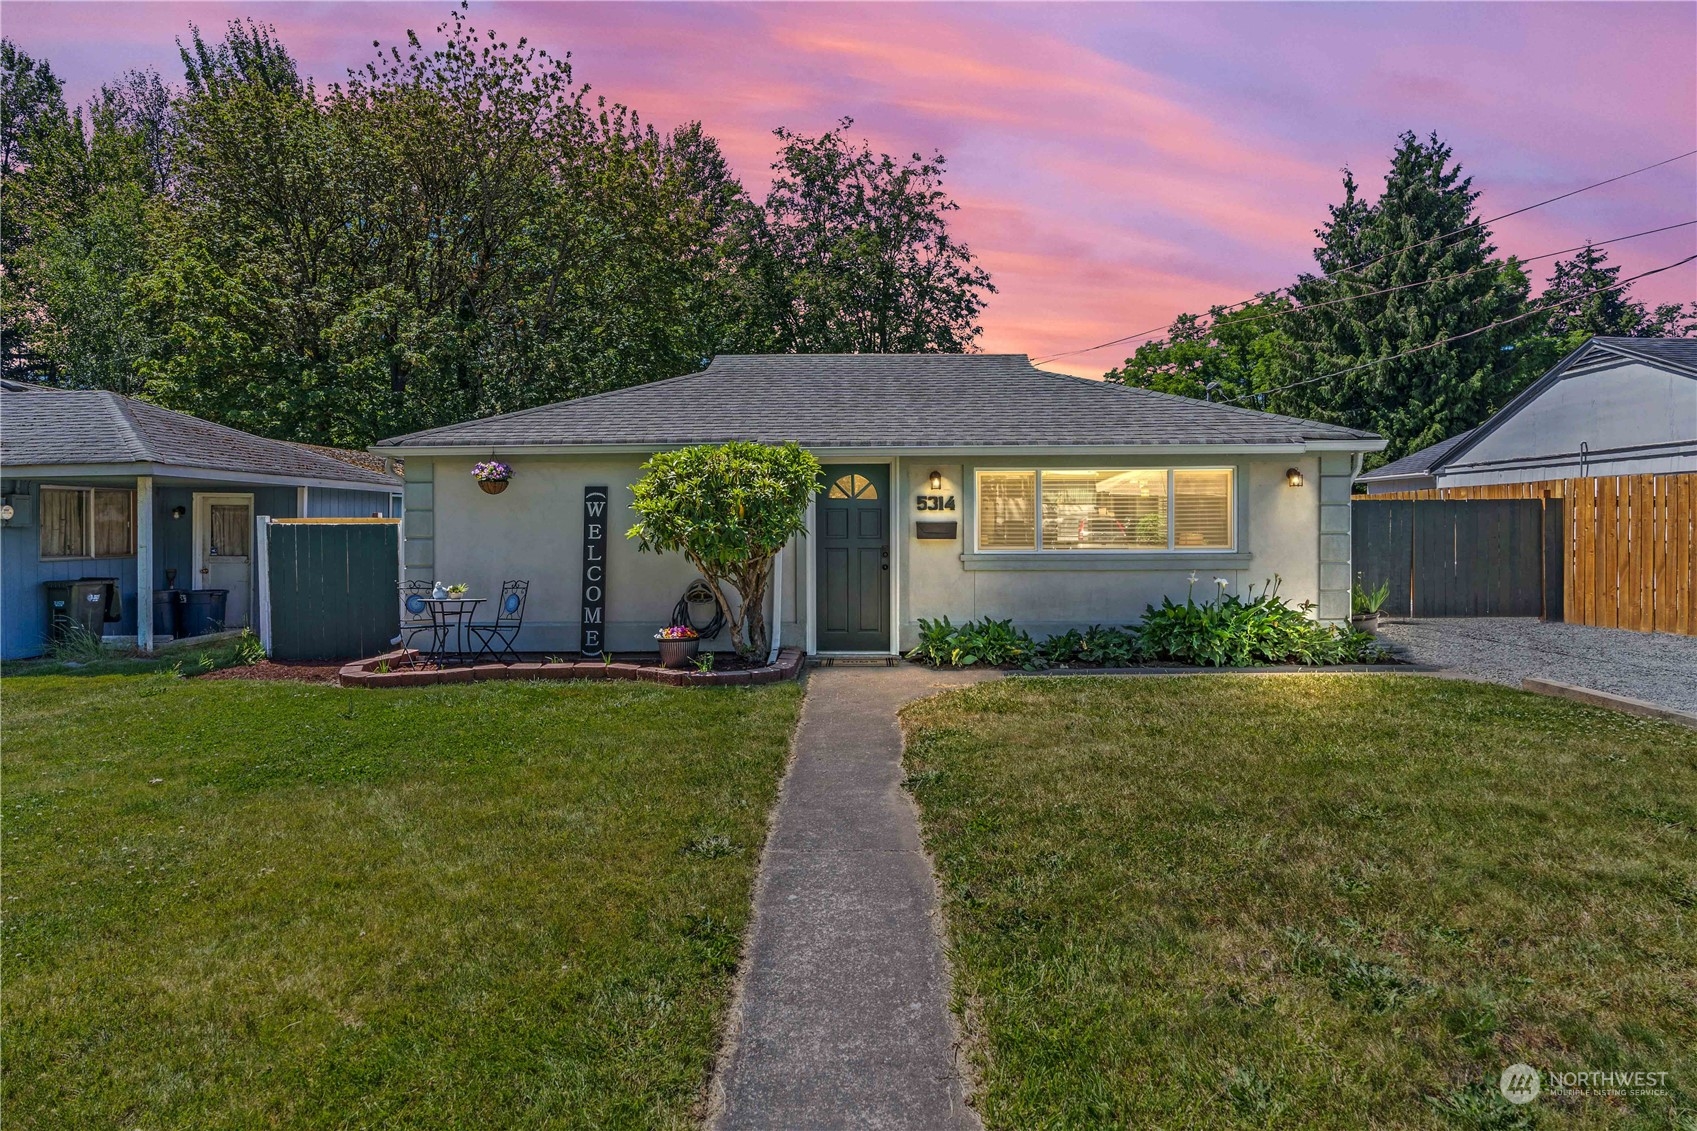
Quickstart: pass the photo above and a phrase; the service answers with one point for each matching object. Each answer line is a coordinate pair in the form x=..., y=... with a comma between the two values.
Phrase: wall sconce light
x=936, y=481
x=1293, y=477
x=178, y=512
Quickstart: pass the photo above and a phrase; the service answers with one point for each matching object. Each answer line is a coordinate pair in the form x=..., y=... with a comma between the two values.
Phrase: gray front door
x=854, y=559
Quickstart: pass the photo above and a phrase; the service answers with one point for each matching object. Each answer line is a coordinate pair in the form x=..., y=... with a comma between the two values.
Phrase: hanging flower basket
x=492, y=476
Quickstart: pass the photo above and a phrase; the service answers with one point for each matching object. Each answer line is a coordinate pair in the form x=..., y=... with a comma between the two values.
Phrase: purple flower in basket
x=492, y=471
x=677, y=632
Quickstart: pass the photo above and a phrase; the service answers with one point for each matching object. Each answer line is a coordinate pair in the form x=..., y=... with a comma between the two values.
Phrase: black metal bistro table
x=449, y=617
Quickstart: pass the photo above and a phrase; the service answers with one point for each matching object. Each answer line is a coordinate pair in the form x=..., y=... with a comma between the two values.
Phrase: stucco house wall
x=1278, y=534
x=533, y=531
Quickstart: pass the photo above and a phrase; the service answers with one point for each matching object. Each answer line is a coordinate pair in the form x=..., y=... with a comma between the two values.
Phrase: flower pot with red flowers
x=678, y=645
x=492, y=476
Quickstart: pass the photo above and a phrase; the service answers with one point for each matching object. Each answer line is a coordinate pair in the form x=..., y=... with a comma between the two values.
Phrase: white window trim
x=1171, y=547
x=88, y=525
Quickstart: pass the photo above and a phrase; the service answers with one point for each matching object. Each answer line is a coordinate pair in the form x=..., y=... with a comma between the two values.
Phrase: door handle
x=886, y=557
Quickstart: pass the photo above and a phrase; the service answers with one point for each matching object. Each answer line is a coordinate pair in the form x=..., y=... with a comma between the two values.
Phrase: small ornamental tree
x=729, y=510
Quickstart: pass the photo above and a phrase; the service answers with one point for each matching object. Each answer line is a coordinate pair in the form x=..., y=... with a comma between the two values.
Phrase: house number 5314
x=935, y=502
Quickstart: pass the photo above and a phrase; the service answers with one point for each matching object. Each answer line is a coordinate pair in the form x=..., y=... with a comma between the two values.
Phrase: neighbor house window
x=87, y=522
x=1132, y=509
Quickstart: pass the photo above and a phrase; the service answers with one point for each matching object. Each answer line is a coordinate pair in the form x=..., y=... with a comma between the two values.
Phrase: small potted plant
x=678, y=645
x=492, y=476
x=1366, y=606
x=457, y=589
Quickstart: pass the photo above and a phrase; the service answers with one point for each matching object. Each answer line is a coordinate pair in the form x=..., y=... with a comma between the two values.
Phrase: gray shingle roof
x=46, y=426
x=881, y=401
x=1417, y=463
x=1678, y=352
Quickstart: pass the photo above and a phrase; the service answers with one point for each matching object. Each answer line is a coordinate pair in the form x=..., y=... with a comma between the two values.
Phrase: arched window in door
x=852, y=487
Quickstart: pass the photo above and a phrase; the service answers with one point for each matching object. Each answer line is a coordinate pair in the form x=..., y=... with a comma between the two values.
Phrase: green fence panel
x=333, y=589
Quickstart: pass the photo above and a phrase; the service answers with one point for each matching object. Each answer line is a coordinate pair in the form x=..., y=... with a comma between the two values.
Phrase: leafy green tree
x=853, y=254
x=1228, y=354
x=728, y=509
x=451, y=231
x=79, y=205
x=32, y=108
x=1422, y=242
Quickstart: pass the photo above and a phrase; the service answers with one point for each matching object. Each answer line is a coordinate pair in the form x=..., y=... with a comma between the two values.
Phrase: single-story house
x=1614, y=406
x=100, y=485
x=956, y=485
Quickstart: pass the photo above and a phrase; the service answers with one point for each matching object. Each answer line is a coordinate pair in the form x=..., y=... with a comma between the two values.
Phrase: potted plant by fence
x=729, y=509
x=678, y=645
x=492, y=476
x=1366, y=606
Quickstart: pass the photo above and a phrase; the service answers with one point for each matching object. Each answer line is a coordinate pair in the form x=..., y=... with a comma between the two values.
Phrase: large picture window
x=87, y=522
x=1132, y=509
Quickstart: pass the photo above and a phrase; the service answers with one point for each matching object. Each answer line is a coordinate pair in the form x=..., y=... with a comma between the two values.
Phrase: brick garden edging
x=364, y=673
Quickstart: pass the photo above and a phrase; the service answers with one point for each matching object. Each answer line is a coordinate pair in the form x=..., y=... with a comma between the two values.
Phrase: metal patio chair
x=415, y=615
x=496, y=638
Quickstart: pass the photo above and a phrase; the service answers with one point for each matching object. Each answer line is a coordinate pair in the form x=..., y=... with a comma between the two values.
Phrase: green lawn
x=1319, y=901
x=243, y=904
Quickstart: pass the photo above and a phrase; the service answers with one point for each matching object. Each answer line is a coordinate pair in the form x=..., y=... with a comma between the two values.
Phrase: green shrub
x=1060, y=648
x=1109, y=647
x=249, y=650
x=996, y=643
x=1226, y=632
x=1096, y=647
x=1265, y=629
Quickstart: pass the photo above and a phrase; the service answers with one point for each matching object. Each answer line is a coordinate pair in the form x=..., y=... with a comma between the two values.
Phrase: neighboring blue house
x=98, y=485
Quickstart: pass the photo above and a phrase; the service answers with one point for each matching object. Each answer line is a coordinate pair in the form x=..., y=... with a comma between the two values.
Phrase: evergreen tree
x=1581, y=303
x=1421, y=234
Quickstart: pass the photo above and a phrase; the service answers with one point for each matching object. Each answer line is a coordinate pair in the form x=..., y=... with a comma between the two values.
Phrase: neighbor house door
x=853, y=529
x=223, y=551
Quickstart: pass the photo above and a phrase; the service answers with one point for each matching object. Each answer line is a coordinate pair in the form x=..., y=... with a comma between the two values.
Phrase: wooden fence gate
x=1628, y=545
x=328, y=587
x=1461, y=559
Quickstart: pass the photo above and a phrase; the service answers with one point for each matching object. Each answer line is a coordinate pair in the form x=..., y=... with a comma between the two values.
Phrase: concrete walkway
x=842, y=1019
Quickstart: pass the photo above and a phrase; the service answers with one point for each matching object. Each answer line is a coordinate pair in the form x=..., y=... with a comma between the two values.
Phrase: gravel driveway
x=1655, y=667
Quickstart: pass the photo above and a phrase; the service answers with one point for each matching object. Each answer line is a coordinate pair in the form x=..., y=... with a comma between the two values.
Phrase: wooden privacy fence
x=327, y=587
x=1461, y=557
x=1630, y=556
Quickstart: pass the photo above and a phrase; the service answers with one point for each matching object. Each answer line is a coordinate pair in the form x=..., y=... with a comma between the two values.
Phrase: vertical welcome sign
x=593, y=641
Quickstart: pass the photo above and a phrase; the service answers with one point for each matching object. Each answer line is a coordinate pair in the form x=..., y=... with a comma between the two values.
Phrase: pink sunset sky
x=1115, y=165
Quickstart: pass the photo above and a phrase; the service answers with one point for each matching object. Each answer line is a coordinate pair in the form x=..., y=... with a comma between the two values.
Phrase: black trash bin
x=111, y=597
x=203, y=611
x=87, y=605
x=167, y=612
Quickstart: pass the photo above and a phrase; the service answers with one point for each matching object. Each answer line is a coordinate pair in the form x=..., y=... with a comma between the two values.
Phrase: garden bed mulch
x=1197, y=669
x=392, y=669
x=305, y=671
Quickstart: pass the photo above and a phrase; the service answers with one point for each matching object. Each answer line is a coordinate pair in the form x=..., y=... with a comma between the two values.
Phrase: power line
x=1388, y=290
x=1458, y=337
x=1457, y=275
x=1516, y=212
x=1387, y=255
